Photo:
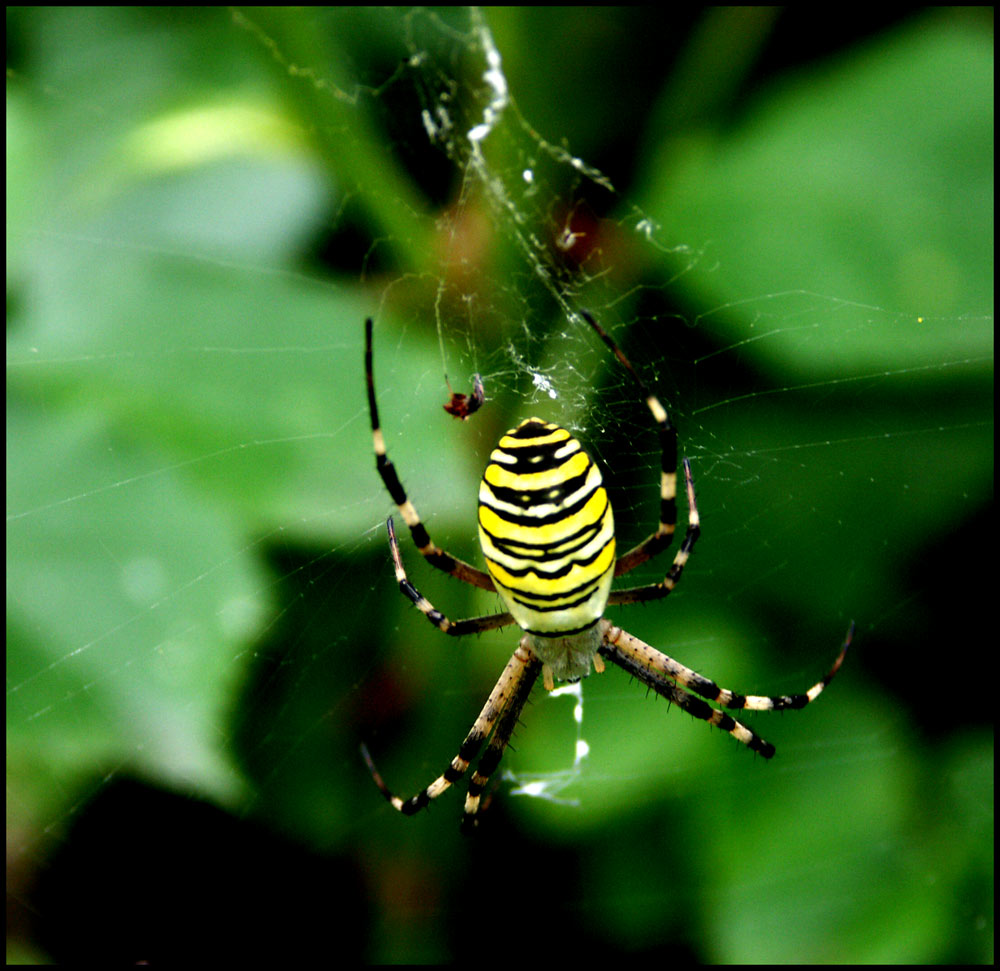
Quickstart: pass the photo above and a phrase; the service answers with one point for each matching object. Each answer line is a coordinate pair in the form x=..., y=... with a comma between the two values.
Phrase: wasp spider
x=547, y=532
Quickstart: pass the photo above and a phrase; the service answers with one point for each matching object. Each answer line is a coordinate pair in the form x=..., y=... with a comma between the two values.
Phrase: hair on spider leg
x=470, y=824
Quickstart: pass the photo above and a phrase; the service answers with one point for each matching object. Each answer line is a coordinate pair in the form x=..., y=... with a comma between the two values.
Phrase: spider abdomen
x=547, y=530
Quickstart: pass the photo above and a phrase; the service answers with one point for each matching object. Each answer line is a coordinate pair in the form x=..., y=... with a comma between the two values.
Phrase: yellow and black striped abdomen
x=547, y=530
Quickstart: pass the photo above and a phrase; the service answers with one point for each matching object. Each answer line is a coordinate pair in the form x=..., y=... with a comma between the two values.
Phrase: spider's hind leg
x=434, y=554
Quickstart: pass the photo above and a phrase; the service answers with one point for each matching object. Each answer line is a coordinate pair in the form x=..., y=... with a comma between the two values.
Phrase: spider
x=547, y=533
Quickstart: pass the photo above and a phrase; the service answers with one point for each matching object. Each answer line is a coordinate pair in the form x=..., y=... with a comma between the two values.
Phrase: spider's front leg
x=669, y=678
x=499, y=717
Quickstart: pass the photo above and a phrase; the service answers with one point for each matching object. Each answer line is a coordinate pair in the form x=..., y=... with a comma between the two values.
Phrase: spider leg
x=658, y=541
x=669, y=678
x=502, y=709
x=497, y=745
x=437, y=557
x=456, y=628
x=657, y=591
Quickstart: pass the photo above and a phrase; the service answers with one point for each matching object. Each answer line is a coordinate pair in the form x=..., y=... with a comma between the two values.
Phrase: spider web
x=199, y=591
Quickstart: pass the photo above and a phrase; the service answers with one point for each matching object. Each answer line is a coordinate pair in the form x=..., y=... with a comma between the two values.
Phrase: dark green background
x=204, y=204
